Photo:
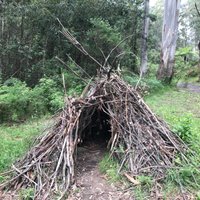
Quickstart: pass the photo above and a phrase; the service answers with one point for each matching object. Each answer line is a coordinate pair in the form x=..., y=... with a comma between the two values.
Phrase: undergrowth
x=147, y=85
x=19, y=102
x=181, y=110
x=110, y=167
x=17, y=139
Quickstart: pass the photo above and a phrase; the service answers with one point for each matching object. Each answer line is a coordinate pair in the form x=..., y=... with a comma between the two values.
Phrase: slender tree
x=199, y=60
x=198, y=12
x=144, y=59
x=169, y=38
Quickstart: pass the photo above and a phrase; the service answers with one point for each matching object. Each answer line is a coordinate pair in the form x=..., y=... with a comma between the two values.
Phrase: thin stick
x=77, y=44
x=197, y=9
x=78, y=66
x=70, y=69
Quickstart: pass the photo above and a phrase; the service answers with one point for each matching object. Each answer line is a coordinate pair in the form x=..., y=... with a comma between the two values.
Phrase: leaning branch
x=197, y=9
x=71, y=69
x=77, y=44
x=107, y=58
x=78, y=66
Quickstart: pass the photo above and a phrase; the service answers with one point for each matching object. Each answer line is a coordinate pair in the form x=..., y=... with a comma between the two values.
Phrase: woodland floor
x=191, y=87
x=91, y=183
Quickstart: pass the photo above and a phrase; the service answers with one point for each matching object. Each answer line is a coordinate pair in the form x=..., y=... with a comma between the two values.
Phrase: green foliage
x=27, y=194
x=183, y=128
x=185, y=51
x=75, y=91
x=103, y=37
x=147, y=85
x=50, y=92
x=145, y=180
x=103, y=33
x=154, y=59
x=142, y=190
x=19, y=102
x=139, y=193
x=185, y=68
x=110, y=167
x=74, y=85
x=15, y=101
x=29, y=53
x=187, y=176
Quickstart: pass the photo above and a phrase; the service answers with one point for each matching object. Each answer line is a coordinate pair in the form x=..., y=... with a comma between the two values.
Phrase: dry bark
x=144, y=59
x=169, y=38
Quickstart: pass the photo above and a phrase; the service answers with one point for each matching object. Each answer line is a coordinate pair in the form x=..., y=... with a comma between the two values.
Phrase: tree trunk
x=169, y=38
x=144, y=59
x=133, y=41
x=199, y=60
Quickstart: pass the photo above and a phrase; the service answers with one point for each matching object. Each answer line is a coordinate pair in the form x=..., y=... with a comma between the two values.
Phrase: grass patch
x=173, y=106
x=181, y=109
x=110, y=167
x=16, y=140
x=27, y=194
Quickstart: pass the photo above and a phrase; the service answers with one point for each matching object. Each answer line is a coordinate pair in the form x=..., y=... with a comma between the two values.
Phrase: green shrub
x=110, y=167
x=183, y=128
x=187, y=175
x=19, y=102
x=147, y=85
x=15, y=101
x=50, y=93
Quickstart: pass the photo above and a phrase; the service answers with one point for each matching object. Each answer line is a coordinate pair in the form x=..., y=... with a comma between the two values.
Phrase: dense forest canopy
x=30, y=42
x=30, y=38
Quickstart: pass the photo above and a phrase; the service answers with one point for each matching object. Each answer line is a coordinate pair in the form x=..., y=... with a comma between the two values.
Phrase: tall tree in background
x=144, y=59
x=198, y=12
x=169, y=38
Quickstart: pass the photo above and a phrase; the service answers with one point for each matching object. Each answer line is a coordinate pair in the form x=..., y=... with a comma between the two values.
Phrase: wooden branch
x=78, y=66
x=77, y=44
x=71, y=69
x=107, y=58
x=197, y=9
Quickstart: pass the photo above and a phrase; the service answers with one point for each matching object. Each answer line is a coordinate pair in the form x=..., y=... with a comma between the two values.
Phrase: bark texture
x=169, y=38
x=144, y=59
x=199, y=60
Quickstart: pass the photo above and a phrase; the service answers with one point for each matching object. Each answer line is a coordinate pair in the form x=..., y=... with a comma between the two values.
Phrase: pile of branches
x=141, y=142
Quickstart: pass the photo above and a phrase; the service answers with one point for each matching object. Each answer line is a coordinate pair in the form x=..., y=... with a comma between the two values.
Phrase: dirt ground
x=91, y=184
x=191, y=87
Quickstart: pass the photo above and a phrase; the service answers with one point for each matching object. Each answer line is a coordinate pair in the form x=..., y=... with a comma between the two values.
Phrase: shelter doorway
x=98, y=131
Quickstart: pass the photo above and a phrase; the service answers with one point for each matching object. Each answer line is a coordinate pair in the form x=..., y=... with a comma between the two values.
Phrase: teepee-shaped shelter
x=141, y=142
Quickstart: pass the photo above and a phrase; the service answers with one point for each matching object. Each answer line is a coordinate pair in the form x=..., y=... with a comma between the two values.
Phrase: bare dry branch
x=198, y=12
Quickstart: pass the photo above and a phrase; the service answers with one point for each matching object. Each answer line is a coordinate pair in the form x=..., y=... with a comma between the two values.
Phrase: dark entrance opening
x=98, y=131
x=94, y=141
x=93, y=146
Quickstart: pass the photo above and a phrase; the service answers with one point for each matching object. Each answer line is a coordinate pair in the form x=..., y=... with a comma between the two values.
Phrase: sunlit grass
x=17, y=139
x=175, y=107
x=174, y=104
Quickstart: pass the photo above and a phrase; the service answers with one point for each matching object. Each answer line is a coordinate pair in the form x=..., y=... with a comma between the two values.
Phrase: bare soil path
x=91, y=184
x=192, y=87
